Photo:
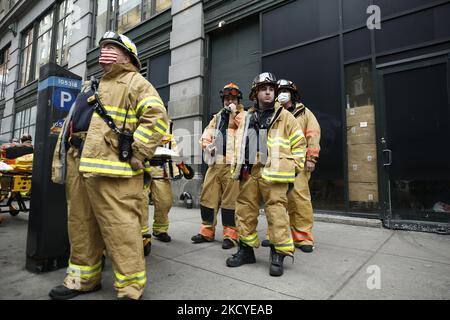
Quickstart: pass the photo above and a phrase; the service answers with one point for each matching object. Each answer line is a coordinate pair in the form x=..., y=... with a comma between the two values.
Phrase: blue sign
x=63, y=98
x=59, y=82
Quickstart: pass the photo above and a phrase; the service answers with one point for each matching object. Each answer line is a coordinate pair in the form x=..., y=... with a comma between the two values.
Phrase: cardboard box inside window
x=360, y=114
x=362, y=163
x=363, y=192
x=364, y=133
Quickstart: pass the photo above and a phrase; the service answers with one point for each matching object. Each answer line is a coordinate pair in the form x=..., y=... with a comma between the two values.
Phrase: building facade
x=376, y=73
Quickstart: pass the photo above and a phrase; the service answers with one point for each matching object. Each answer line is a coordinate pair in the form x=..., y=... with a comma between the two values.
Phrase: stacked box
x=362, y=154
x=362, y=163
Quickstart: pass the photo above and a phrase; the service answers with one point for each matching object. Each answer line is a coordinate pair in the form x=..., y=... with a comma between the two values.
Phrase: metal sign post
x=47, y=242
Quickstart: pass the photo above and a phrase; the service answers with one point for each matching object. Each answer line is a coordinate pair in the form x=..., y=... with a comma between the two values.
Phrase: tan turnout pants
x=104, y=212
x=273, y=194
x=219, y=191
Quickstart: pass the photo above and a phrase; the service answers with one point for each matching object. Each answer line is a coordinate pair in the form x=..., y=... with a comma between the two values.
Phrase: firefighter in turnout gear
x=270, y=152
x=109, y=132
x=157, y=186
x=299, y=199
x=219, y=189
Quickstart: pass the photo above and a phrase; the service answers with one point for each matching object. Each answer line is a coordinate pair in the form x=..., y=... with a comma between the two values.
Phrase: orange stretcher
x=15, y=184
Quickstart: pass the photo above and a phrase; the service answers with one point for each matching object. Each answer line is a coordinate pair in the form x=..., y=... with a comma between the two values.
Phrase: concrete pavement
x=349, y=262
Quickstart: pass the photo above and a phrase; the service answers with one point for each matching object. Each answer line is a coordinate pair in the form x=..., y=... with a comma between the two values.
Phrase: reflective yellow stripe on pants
x=251, y=240
x=84, y=272
x=122, y=280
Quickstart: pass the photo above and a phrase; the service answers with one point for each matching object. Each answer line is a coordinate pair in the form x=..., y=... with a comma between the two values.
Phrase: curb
x=353, y=221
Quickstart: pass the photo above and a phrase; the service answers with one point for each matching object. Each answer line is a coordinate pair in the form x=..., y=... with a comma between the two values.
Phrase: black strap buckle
x=76, y=142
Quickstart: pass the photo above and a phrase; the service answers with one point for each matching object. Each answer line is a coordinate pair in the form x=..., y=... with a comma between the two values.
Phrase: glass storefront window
x=129, y=14
x=64, y=32
x=26, y=57
x=25, y=122
x=318, y=81
x=44, y=41
x=162, y=5
x=361, y=139
x=4, y=59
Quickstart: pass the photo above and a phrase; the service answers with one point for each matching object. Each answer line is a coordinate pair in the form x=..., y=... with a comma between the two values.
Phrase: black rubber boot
x=276, y=262
x=198, y=238
x=306, y=248
x=61, y=292
x=245, y=255
x=147, y=244
x=265, y=243
x=227, y=244
x=164, y=237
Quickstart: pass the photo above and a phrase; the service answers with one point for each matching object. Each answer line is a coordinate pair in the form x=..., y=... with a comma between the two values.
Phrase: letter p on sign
x=66, y=97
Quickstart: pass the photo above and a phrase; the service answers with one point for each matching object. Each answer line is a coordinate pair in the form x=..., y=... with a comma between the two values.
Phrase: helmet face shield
x=231, y=89
x=286, y=84
x=263, y=78
x=231, y=92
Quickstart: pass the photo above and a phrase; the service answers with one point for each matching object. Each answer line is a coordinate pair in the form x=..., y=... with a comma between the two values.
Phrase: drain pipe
x=187, y=198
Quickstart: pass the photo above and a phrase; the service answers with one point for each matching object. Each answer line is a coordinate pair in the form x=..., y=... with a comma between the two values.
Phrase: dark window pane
x=355, y=12
x=420, y=181
x=299, y=21
x=234, y=58
x=357, y=44
x=413, y=29
x=316, y=71
x=159, y=69
x=389, y=7
x=407, y=94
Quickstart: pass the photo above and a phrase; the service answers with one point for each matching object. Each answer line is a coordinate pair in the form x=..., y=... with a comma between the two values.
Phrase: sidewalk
x=412, y=265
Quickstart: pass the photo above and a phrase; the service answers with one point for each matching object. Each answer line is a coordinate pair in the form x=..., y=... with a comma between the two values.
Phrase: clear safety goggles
x=265, y=77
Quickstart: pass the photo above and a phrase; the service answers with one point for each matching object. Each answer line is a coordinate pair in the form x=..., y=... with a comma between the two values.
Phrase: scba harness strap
x=125, y=136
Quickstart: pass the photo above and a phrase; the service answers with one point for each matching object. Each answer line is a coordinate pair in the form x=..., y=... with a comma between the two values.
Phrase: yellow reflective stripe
x=118, y=118
x=143, y=134
x=84, y=272
x=145, y=230
x=270, y=144
x=109, y=167
x=287, y=246
x=299, y=152
x=120, y=111
x=160, y=227
x=163, y=124
x=156, y=225
x=145, y=103
x=160, y=129
x=302, y=150
x=278, y=176
x=250, y=240
x=85, y=268
x=122, y=281
x=278, y=141
x=296, y=137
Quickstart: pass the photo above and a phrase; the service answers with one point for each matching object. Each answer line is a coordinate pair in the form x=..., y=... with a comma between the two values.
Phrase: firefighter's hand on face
x=136, y=164
x=310, y=166
x=211, y=149
x=232, y=107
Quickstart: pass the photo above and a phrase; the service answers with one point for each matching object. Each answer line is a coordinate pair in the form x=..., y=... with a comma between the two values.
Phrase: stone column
x=81, y=36
x=186, y=86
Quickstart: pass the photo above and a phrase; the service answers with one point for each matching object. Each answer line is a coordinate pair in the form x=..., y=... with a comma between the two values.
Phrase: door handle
x=389, y=153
